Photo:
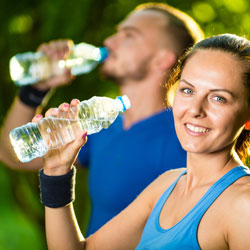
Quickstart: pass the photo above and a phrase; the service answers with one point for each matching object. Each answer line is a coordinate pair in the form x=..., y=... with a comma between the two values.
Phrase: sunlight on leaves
x=215, y=28
x=238, y=6
x=203, y=12
x=20, y=24
x=246, y=23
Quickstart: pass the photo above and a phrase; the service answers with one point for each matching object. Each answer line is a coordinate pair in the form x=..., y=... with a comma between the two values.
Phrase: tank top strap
x=217, y=189
x=183, y=235
x=166, y=193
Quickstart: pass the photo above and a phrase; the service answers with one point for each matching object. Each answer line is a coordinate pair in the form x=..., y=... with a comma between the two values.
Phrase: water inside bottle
x=28, y=68
x=27, y=142
x=58, y=131
x=82, y=60
x=99, y=108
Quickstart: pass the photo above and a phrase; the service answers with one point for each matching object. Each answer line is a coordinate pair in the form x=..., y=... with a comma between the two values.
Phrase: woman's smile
x=196, y=129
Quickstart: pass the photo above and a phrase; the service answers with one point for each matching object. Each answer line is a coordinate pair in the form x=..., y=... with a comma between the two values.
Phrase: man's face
x=132, y=47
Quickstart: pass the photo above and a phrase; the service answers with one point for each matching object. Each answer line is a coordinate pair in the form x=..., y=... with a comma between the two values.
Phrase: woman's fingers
x=63, y=157
x=79, y=141
x=65, y=110
x=37, y=118
x=69, y=111
x=52, y=112
x=74, y=109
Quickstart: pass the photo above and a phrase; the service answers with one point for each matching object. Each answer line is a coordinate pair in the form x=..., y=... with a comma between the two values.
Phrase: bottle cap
x=125, y=102
x=103, y=53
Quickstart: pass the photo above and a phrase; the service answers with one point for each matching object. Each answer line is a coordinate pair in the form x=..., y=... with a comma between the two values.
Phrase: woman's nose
x=197, y=107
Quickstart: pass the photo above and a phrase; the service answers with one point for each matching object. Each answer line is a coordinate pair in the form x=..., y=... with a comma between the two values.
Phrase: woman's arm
x=62, y=230
x=122, y=232
x=238, y=218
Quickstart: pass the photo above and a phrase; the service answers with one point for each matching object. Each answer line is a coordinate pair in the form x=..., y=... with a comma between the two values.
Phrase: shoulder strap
x=218, y=188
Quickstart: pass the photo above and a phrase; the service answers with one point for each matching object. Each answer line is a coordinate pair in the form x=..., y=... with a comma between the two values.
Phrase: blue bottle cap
x=103, y=53
x=125, y=102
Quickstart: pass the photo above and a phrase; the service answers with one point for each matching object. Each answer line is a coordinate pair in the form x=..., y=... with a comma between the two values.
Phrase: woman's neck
x=205, y=169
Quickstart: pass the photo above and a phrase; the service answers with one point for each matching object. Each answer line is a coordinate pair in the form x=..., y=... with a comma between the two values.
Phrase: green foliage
x=21, y=215
x=24, y=26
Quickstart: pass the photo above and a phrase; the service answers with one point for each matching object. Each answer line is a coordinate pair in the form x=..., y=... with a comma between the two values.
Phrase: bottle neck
x=120, y=104
x=90, y=52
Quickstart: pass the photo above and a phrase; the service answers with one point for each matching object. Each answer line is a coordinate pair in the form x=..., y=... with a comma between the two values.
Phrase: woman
x=203, y=206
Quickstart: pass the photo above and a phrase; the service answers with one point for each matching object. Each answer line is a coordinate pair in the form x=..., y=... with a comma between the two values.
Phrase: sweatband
x=32, y=96
x=57, y=191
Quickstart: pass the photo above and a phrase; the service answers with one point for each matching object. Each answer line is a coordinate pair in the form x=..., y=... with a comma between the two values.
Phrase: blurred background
x=25, y=24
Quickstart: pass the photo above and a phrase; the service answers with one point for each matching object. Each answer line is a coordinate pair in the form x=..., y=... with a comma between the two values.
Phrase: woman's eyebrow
x=183, y=80
x=211, y=90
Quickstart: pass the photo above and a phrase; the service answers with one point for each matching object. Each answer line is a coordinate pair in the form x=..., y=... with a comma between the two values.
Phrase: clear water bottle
x=35, y=139
x=31, y=67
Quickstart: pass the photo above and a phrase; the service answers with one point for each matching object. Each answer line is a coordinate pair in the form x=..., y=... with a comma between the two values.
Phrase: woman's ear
x=247, y=124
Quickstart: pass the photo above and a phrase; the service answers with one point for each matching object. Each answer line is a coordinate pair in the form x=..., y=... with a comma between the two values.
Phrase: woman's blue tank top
x=183, y=235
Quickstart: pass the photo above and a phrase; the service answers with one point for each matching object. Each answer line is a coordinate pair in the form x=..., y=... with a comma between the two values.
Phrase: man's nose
x=111, y=41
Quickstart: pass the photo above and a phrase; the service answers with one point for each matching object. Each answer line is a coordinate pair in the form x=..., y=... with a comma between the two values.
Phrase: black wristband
x=57, y=191
x=32, y=96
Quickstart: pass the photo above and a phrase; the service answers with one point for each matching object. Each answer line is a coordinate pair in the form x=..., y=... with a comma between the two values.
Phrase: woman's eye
x=219, y=99
x=187, y=91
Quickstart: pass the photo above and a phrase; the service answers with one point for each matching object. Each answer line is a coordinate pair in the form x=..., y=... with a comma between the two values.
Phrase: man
x=142, y=143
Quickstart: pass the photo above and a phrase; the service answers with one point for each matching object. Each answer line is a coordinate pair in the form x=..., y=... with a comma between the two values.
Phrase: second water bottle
x=31, y=67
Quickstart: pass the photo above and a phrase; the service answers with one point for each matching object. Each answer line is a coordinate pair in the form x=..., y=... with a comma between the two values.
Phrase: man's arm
x=21, y=113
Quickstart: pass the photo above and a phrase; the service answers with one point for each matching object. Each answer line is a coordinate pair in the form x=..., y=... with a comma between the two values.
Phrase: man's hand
x=56, y=50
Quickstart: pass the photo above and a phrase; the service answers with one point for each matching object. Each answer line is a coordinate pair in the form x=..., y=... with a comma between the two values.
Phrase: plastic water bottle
x=35, y=139
x=31, y=67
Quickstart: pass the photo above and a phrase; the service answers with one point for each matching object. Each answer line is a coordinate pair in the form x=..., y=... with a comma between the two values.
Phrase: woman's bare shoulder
x=238, y=213
x=167, y=178
x=160, y=184
x=241, y=191
x=173, y=172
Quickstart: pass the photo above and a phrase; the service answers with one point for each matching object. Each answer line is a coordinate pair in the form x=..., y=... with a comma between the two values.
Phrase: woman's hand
x=61, y=160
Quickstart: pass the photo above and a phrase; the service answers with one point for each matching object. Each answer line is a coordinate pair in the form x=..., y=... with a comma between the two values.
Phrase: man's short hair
x=182, y=30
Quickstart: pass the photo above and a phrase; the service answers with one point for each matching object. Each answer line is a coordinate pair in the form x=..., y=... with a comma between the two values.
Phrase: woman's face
x=211, y=102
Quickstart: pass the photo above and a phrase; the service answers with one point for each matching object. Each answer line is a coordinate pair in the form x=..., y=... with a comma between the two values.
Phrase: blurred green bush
x=24, y=25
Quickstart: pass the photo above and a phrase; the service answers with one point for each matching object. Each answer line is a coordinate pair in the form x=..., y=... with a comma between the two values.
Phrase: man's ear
x=165, y=59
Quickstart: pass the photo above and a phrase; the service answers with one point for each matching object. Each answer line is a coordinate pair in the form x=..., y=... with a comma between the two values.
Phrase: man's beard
x=137, y=75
